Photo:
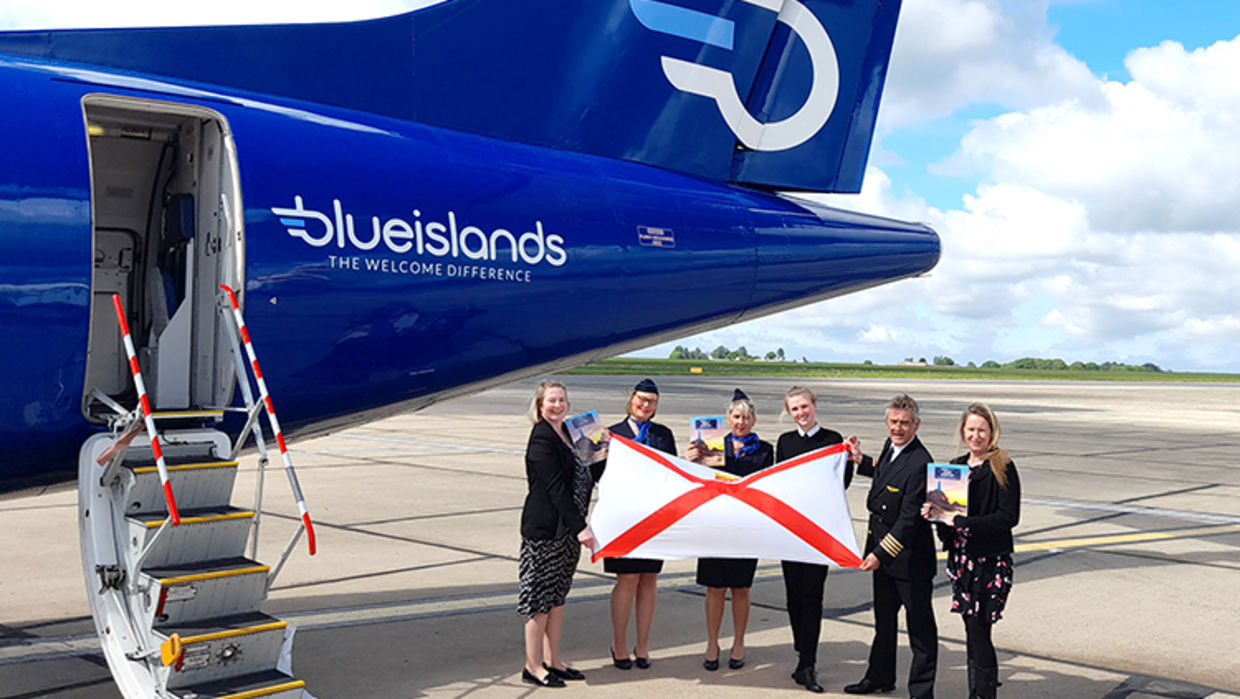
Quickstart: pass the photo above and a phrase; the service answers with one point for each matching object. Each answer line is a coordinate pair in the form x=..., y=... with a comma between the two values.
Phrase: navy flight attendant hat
x=738, y=394
x=646, y=386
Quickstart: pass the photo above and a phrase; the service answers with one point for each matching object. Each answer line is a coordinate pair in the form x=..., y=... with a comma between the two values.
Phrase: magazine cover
x=707, y=435
x=947, y=490
x=589, y=437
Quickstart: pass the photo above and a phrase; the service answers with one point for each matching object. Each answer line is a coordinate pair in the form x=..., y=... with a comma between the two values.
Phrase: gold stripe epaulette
x=891, y=545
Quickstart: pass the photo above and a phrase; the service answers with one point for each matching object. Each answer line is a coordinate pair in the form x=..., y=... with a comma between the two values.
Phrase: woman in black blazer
x=979, y=545
x=553, y=529
x=744, y=454
x=636, y=578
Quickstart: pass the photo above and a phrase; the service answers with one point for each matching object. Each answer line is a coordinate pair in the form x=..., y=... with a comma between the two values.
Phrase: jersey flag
x=654, y=505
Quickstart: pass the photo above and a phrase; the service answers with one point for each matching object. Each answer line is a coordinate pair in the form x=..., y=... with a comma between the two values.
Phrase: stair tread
x=236, y=685
x=201, y=567
x=141, y=460
x=228, y=511
x=145, y=465
x=218, y=624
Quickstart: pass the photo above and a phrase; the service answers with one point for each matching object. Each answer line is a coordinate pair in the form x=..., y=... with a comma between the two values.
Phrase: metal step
x=197, y=591
x=197, y=485
x=203, y=535
x=272, y=684
x=222, y=648
x=190, y=415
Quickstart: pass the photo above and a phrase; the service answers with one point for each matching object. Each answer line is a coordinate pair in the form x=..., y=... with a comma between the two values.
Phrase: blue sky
x=1078, y=161
x=1077, y=158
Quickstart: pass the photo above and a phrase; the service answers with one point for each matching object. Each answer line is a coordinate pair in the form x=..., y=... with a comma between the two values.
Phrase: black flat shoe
x=807, y=678
x=736, y=663
x=567, y=673
x=549, y=681
x=621, y=663
x=868, y=686
x=640, y=662
x=711, y=665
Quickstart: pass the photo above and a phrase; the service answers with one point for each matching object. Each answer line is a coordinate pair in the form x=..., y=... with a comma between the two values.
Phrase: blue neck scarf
x=749, y=444
x=643, y=432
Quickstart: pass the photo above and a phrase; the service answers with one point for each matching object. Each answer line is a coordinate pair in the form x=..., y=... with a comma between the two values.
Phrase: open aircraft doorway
x=167, y=232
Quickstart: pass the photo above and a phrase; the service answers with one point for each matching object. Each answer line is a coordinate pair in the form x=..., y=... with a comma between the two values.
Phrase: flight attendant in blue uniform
x=636, y=578
x=744, y=454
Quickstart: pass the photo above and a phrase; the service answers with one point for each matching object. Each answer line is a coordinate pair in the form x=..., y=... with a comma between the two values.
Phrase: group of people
x=899, y=549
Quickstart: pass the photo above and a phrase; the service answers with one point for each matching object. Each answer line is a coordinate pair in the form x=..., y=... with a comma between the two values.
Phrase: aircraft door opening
x=167, y=231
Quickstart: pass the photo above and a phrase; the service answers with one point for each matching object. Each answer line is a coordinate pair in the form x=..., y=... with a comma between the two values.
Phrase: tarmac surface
x=1127, y=565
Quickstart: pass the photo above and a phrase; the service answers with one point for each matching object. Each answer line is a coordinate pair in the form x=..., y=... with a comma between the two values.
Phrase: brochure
x=708, y=434
x=589, y=437
x=947, y=490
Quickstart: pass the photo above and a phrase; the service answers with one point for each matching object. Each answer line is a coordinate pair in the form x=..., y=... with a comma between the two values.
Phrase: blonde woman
x=979, y=544
x=553, y=529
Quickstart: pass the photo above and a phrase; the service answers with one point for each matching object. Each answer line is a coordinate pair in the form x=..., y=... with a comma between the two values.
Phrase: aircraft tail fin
x=771, y=93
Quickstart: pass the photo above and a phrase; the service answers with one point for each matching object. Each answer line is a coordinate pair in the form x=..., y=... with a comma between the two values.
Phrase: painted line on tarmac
x=1132, y=538
x=1133, y=510
x=436, y=445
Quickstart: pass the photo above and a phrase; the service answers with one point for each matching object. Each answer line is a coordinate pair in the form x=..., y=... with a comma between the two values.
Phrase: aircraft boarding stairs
x=174, y=594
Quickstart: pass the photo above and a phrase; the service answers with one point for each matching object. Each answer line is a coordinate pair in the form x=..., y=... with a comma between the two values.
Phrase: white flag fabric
x=655, y=505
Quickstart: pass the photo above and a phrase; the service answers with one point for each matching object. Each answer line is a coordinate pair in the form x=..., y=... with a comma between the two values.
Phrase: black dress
x=735, y=572
x=661, y=439
x=555, y=509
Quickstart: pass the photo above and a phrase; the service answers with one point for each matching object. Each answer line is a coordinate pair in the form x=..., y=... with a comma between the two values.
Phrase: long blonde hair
x=535, y=411
x=997, y=457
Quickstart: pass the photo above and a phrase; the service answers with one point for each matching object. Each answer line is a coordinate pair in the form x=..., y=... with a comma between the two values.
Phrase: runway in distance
x=422, y=205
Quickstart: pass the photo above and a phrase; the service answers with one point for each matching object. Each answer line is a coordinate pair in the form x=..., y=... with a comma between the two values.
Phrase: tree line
x=742, y=355
x=739, y=354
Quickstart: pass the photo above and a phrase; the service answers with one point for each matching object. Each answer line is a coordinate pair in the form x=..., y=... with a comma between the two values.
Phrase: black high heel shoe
x=549, y=681
x=639, y=661
x=711, y=665
x=620, y=663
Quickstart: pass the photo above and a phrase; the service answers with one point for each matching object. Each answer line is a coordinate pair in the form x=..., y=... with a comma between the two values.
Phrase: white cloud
x=949, y=54
x=1158, y=154
x=1105, y=227
x=879, y=334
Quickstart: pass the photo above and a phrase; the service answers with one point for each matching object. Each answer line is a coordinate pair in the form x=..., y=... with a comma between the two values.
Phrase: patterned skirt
x=980, y=585
x=547, y=567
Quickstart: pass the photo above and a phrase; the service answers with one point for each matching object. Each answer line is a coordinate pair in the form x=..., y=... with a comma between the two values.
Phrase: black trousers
x=803, y=586
x=923, y=634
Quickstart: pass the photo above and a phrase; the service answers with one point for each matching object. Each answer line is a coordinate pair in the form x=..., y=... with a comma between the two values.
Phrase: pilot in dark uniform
x=901, y=552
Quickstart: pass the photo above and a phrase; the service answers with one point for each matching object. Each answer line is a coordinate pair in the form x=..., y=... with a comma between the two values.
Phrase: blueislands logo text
x=434, y=238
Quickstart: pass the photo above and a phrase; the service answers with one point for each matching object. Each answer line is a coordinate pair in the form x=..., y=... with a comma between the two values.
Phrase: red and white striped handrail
x=265, y=397
x=146, y=411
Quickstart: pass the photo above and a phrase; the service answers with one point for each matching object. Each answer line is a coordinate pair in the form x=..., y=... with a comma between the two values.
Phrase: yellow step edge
x=187, y=467
x=267, y=691
x=185, y=414
x=233, y=633
x=205, y=518
x=199, y=577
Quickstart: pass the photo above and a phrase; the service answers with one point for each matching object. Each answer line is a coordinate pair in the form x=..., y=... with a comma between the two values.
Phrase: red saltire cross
x=792, y=520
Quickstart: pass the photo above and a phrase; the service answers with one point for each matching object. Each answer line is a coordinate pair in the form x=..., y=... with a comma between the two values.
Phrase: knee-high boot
x=983, y=682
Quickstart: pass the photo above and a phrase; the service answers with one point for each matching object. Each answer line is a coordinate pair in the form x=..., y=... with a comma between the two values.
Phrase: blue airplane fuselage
x=389, y=264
